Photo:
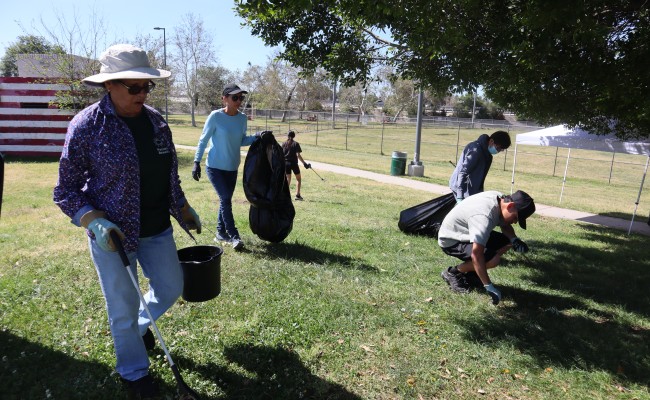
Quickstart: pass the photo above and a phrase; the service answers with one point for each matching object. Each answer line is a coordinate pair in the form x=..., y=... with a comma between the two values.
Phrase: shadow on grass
x=561, y=331
x=625, y=216
x=32, y=371
x=618, y=275
x=302, y=253
x=588, y=322
x=278, y=374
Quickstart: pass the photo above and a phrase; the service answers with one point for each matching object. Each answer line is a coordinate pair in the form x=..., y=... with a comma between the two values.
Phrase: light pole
x=165, y=67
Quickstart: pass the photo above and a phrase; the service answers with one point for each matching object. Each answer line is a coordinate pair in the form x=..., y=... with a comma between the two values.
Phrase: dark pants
x=463, y=250
x=291, y=167
x=224, y=183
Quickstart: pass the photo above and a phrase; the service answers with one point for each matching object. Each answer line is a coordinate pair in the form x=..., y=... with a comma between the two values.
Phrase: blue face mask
x=493, y=150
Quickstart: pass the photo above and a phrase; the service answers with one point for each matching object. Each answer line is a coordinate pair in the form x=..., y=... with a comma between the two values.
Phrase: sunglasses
x=236, y=97
x=135, y=89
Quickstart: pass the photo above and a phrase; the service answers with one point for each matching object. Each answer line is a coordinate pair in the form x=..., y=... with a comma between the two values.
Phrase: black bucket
x=201, y=272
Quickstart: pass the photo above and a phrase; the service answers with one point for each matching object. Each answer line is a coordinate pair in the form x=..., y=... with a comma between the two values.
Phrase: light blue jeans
x=127, y=318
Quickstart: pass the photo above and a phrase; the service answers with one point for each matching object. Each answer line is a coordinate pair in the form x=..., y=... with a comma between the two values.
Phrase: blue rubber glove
x=518, y=245
x=101, y=227
x=494, y=293
x=191, y=218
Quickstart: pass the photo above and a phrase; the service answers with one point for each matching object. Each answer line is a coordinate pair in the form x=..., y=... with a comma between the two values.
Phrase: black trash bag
x=425, y=219
x=271, y=213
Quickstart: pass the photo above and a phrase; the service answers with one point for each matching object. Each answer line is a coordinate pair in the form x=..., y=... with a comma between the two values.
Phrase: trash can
x=398, y=163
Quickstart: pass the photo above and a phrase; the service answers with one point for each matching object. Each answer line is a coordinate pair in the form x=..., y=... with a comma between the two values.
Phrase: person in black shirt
x=292, y=152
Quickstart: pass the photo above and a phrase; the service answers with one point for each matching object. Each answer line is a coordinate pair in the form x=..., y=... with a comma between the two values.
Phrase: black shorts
x=463, y=250
x=291, y=167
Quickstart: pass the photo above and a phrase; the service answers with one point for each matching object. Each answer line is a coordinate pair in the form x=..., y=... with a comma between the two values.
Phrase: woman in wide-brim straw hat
x=119, y=172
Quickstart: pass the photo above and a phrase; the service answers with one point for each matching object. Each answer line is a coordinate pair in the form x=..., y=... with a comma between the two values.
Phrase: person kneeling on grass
x=467, y=234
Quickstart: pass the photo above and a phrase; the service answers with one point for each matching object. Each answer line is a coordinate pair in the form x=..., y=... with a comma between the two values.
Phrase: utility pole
x=415, y=167
x=164, y=67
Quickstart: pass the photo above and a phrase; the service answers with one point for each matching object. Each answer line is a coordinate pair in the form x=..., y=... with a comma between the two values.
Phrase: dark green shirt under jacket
x=155, y=161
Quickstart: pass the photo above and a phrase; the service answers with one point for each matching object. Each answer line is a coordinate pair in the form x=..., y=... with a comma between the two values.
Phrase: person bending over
x=467, y=233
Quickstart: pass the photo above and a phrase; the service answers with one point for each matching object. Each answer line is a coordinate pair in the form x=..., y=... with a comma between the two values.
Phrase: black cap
x=232, y=89
x=525, y=206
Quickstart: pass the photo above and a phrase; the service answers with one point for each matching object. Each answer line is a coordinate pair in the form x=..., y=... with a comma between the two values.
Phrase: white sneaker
x=237, y=244
x=223, y=239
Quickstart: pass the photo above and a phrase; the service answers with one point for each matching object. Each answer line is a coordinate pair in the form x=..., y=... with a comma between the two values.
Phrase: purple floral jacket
x=99, y=170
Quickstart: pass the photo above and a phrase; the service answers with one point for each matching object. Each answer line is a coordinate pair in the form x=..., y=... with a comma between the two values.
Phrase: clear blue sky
x=233, y=45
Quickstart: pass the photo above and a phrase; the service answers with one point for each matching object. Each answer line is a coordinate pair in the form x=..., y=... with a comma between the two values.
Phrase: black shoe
x=456, y=281
x=149, y=340
x=473, y=280
x=298, y=197
x=143, y=388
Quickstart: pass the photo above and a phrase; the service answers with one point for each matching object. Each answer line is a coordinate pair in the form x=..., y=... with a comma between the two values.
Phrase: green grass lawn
x=597, y=182
x=347, y=307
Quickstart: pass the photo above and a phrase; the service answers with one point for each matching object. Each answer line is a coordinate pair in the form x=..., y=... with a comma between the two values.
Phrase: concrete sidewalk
x=639, y=226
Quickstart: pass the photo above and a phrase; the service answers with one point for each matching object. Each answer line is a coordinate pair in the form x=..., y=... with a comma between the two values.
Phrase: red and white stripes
x=30, y=125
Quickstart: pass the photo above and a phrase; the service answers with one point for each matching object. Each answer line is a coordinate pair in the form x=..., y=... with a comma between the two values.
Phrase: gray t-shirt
x=472, y=220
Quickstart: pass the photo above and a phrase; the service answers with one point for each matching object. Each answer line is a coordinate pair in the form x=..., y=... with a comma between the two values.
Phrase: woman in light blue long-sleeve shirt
x=225, y=130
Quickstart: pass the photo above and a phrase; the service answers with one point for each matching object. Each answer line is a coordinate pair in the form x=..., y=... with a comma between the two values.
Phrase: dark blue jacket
x=472, y=168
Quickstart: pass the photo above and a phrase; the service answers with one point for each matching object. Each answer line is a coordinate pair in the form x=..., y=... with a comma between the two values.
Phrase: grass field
x=597, y=182
x=347, y=307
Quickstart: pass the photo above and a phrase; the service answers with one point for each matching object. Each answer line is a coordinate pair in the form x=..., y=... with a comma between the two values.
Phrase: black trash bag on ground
x=425, y=219
x=271, y=212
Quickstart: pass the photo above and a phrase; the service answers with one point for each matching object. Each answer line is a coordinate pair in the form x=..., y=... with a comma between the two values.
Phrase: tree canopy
x=25, y=44
x=581, y=63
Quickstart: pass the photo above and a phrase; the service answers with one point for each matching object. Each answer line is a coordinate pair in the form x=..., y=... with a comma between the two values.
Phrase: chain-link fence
x=442, y=140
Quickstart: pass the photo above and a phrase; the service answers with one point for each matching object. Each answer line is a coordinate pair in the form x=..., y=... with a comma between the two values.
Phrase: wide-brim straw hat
x=124, y=61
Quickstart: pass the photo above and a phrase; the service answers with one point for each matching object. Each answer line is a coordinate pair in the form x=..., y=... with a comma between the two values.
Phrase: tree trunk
x=192, y=105
x=288, y=100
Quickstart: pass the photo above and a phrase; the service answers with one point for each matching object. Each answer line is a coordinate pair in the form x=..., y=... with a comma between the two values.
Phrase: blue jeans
x=126, y=316
x=224, y=183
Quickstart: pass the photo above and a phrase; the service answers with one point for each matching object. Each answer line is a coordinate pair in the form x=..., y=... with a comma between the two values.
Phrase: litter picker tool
x=184, y=391
x=321, y=178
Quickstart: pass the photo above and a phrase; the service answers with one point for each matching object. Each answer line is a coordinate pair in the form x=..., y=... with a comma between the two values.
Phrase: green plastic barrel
x=398, y=163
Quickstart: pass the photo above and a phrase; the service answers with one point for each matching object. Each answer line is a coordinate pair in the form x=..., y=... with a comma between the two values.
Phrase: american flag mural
x=30, y=125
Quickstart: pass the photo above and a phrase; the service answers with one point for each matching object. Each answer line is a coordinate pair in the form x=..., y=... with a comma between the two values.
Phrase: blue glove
x=519, y=246
x=191, y=218
x=101, y=227
x=494, y=293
